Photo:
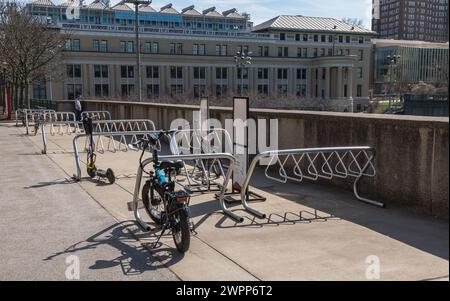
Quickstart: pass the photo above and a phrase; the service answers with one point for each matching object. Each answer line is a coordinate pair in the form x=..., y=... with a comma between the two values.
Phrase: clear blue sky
x=262, y=10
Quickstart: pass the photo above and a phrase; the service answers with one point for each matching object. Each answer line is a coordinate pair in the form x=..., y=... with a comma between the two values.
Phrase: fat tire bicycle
x=169, y=209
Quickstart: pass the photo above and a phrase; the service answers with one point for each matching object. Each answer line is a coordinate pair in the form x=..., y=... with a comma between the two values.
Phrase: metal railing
x=314, y=164
x=201, y=157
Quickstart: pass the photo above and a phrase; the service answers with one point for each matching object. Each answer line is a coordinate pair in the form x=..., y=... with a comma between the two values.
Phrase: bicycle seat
x=171, y=164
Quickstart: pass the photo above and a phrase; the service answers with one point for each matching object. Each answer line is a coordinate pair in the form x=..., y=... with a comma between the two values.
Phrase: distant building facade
x=192, y=52
x=419, y=62
x=424, y=20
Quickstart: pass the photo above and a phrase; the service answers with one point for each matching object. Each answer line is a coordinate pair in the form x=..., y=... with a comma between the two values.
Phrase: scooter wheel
x=110, y=176
x=92, y=172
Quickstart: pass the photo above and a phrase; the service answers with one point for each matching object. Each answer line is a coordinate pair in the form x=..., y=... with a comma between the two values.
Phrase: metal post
x=137, y=46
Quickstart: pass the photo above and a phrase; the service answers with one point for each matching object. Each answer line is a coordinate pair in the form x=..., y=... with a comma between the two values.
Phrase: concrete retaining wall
x=412, y=152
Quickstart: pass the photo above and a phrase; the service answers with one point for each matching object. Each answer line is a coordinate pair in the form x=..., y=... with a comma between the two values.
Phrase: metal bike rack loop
x=196, y=141
x=99, y=126
x=314, y=163
x=122, y=140
x=96, y=115
x=216, y=156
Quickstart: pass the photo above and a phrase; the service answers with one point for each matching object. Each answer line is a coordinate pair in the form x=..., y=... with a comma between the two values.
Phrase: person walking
x=78, y=108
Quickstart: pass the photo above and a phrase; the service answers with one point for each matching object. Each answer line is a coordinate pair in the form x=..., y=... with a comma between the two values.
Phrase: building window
x=101, y=90
x=123, y=46
x=74, y=71
x=103, y=46
x=359, y=91
x=263, y=89
x=152, y=91
x=283, y=51
x=263, y=50
x=242, y=88
x=305, y=37
x=221, y=90
x=360, y=73
x=301, y=90
x=282, y=36
x=101, y=71
x=176, y=72
x=360, y=55
x=301, y=74
x=95, y=45
x=315, y=52
x=147, y=47
x=152, y=72
x=199, y=72
x=72, y=45
x=316, y=38
x=40, y=90
x=127, y=90
x=127, y=71
x=221, y=73
x=263, y=73
x=130, y=46
x=176, y=89
x=73, y=91
x=198, y=49
x=155, y=47
x=283, y=90
x=199, y=90
x=242, y=73
x=282, y=73
x=221, y=50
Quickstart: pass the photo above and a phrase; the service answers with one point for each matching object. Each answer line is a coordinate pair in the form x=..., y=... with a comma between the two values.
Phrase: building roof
x=191, y=11
x=211, y=12
x=146, y=8
x=68, y=3
x=232, y=13
x=97, y=4
x=408, y=43
x=168, y=9
x=43, y=2
x=310, y=24
x=121, y=6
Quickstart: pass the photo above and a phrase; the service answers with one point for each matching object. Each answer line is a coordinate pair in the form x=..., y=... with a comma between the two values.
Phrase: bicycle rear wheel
x=180, y=231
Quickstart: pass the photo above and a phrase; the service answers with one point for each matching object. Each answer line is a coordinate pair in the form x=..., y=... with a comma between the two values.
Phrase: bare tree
x=29, y=48
x=353, y=21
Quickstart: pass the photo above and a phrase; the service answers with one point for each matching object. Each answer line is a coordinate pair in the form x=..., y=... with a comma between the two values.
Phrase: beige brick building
x=191, y=52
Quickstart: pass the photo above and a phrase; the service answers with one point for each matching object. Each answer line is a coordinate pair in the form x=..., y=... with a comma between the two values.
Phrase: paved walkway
x=338, y=244
x=44, y=219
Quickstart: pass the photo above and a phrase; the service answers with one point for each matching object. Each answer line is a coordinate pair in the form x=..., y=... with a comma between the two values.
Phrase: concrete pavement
x=336, y=239
x=45, y=217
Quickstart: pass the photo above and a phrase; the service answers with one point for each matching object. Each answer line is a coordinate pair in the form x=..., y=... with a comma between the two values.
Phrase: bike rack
x=22, y=112
x=96, y=115
x=196, y=141
x=100, y=127
x=121, y=138
x=26, y=115
x=200, y=157
x=314, y=164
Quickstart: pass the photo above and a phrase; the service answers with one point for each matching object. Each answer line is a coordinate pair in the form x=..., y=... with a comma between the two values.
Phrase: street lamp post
x=242, y=59
x=138, y=47
x=392, y=61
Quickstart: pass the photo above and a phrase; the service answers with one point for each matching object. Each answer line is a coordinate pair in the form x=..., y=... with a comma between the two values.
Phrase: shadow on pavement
x=133, y=260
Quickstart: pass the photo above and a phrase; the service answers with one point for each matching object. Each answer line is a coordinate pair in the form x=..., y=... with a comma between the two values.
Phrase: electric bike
x=168, y=208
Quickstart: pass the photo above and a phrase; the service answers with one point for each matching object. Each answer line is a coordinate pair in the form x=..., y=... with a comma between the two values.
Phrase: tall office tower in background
x=425, y=20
